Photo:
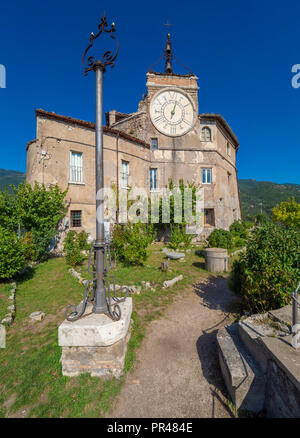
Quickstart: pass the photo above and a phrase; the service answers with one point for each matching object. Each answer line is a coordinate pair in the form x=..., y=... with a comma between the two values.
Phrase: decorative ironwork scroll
x=108, y=58
x=73, y=312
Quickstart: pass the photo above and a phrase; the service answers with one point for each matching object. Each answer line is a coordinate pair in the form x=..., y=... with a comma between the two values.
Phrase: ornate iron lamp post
x=98, y=291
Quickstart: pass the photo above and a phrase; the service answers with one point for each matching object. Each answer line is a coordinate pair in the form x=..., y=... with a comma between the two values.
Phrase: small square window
x=76, y=218
x=154, y=144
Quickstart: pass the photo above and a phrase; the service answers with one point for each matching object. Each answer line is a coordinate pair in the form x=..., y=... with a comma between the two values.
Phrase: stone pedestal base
x=95, y=344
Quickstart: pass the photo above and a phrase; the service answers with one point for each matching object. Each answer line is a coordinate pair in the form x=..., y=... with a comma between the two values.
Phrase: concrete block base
x=95, y=343
x=104, y=362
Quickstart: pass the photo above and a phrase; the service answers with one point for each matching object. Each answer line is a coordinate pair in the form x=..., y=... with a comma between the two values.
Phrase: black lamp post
x=98, y=291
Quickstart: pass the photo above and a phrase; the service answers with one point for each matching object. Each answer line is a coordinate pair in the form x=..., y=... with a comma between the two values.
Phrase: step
x=243, y=376
x=251, y=331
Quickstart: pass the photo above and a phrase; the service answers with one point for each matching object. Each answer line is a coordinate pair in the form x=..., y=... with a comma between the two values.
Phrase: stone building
x=165, y=138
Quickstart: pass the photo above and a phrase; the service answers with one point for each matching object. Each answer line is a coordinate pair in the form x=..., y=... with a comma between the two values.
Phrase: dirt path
x=177, y=373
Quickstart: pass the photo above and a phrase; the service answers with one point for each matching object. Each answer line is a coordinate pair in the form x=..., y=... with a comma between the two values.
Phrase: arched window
x=206, y=134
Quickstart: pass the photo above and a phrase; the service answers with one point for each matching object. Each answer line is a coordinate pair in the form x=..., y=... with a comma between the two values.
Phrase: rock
x=165, y=249
x=181, y=244
x=170, y=283
x=12, y=308
x=37, y=316
x=11, y=297
x=188, y=251
x=2, y=336
x=8, y=320
x=175, y=255
x=146, y=285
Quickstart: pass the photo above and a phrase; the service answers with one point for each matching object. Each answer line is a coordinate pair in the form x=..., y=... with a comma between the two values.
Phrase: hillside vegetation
x=253, y=192
x=8, y=177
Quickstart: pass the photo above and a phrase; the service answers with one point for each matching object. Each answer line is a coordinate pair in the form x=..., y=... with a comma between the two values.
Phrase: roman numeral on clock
x=158, y=119
x=172, y=129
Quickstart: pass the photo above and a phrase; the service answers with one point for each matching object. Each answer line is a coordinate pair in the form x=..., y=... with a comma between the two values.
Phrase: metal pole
x=100, y=304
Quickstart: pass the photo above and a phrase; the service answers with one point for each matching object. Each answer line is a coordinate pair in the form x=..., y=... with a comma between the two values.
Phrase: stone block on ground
x=243, y=377
x=170, y=283
x=37, y=316
x=2, y=336
x=175, y=255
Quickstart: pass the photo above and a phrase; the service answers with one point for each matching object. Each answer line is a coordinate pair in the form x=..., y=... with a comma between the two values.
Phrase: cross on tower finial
x=168, y=25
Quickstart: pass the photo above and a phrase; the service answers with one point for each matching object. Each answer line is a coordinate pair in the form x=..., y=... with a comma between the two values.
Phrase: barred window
x=76, y=167
x=76, y=218
x=206, y=134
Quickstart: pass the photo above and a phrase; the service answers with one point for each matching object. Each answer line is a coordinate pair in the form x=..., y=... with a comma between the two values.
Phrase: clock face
x=172, y=112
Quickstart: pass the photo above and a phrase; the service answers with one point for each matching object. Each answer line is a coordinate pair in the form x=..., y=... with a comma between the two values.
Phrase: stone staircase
x=249, y=352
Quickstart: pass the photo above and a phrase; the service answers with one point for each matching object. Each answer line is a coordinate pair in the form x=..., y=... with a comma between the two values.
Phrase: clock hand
x=173, y=110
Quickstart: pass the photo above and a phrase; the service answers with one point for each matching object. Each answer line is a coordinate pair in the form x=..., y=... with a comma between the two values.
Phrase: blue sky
x=242, y=53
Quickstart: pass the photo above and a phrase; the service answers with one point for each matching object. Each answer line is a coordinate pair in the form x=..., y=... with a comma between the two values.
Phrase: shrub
x=74, y=244
x=220, y=239
x=288, y=213
x=261, y=219
x=238, y=242
x=12, y=254
x=240, y=229
x=29, y=247
x=268, y=271
x=130, y=242
x=42, y=240
x=36, y=209
x=178, y=236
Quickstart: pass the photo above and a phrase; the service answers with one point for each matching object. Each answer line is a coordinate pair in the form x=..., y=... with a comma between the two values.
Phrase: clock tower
x=184, y=144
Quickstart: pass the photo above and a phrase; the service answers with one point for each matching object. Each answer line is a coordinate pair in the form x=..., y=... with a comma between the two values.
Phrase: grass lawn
x=31, y=382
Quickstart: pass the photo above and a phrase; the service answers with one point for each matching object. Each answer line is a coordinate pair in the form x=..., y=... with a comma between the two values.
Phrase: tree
x=36, y=209
x=288, y=213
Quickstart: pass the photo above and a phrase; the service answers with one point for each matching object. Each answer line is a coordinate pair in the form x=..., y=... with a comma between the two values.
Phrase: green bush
x=12, y=254
x=74, y=244
x=29, y=247
x=239, y=242
x=179, y=236
x=240, y=229
x=220, y=239
x=268, y=271
x=130, y=242
x=261, y=219
x=42, y=240
x=35, y=209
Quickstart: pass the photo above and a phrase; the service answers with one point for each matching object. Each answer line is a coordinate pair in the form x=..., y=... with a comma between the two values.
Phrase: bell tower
x=157, y=81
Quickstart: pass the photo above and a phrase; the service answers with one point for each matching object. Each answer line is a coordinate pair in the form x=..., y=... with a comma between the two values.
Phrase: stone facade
x=128, y=137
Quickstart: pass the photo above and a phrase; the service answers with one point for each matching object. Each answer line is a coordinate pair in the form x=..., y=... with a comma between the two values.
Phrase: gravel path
x=177, y=372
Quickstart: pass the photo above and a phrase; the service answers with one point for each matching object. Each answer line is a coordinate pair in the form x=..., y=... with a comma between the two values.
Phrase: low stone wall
x=260, y=347
x=282, y=398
